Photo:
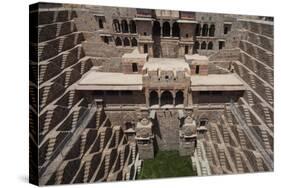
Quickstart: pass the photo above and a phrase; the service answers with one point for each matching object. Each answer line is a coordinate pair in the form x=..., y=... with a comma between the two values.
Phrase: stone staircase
x=102, y=136
x=106, y=164
x=200, y=160
x=70, y=98
x=98, y=115
x=250, y=97
x=83, y=142
x=259, y=163
x=252, y=81
x=269, y=95
x=267, y=116
x=265, y=139
x=222, y=158
x=47, y=121
x=238, y=162
x=122, y=157
x=82, y=70
x=247, y=116
x=229, y=116
x=50, y=149
x=74, y=119
x=214, y=134
x=269, y=74
x=45, y=95
x=225, y=135
x=86, y=171
x=64, y=58
x=67, y=78
x=242, y=138
x=61, y=43
x=43, y=69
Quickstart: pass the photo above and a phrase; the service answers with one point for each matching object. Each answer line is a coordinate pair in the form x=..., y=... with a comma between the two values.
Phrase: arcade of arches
x=166, y=97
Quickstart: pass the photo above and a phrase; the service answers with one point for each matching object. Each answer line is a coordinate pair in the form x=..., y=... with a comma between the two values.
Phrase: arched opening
x=202, y=125
x=153, y=98
x=176, y=30
x=210, y=45
x=212, y=30
x=166, y=98
x=196, y=47
x=126, y=42
x=166, y=29
x=203, y=45
x=100, y=24
x=134, y=42
x=124, y=26
x=133, y=28
x=179, y=98
x=198, y=30
x=145, y=48
x=118, y=41
x=116, y=26
x=156, y=29
x=105, y=40
x=203, y=122
x=129, y=125
x=205, y=30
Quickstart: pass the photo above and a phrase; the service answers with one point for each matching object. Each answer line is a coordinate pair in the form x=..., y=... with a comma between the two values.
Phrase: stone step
x=250, y=97
x=252, y=81
x=45, y=94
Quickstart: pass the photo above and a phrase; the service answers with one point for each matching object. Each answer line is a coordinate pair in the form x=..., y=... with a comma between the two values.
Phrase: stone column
x=129, y=28
x=190, y=49
x=159, y=97
x=147, y=97
x=185, y=93
x=174, y=98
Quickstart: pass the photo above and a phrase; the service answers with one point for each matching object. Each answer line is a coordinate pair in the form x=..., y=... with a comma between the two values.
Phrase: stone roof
x=216, y=82
x=110, y=81
x=166, y=64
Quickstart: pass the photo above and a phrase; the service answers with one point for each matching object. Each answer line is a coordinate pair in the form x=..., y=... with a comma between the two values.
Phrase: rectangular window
x=197, y=69
x=145, y=48
x=186, y=50
x=135, y=67
x=221, y=45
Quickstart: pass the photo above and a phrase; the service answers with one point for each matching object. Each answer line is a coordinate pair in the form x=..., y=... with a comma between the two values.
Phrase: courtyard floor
x=167, y=164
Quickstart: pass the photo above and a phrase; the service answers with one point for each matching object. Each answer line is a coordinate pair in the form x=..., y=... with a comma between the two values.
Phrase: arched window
x=116, y=26
x=133, y=28
x=166, y=29
x=153, y=98
x=118, y=41
x=198, y=30
x=203, y=45
x=126, y=42
x=166, y=98
x=134, y=42
x=210, y=45
x=196, y=47
x=124, y=26
x=205, y=30
x=176, y=30
x=100, y=24
x=179, y=98
x=156, y=28
x=212, y=30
